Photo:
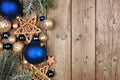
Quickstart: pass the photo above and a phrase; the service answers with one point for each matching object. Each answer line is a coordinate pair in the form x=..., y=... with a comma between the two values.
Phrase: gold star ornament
x=51, y=60
x=39, y=73
x=27, y=28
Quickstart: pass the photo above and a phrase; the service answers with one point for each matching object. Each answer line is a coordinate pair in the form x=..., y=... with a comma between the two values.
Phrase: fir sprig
x=8, y=65
x=41, y=6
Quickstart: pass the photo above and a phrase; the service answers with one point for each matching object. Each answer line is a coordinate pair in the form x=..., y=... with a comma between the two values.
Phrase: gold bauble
x=48, y=24
x=42, y=44
x=43, y=37
x=18, y=47
x=5, y=25
x=12, y=39
x=15, y=25
x=1, y=46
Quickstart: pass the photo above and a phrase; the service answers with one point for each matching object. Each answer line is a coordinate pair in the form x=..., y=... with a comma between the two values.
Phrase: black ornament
x=7, y=46
x=21, y=37
x=42, y=18
x=50, y=73
x=47, y=57
x=36, y=38
x=5, y=35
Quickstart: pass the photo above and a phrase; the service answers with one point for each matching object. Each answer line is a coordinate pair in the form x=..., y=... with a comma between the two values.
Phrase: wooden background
x=86, y=39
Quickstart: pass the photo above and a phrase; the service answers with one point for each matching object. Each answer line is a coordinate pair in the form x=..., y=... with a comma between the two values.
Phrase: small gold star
x=27, y=28
x=51, y=60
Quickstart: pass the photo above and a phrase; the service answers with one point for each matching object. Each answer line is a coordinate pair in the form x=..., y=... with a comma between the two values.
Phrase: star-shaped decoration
x=51, y=60
x=27, y=28
x=39, y=73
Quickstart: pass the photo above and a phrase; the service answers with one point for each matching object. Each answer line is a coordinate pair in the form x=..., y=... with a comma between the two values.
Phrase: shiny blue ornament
x=35, y=38
x=7, y=46
x=34, y=53
x=10, y=9
x=21, y=37
x=5, y=35
x=50, y=73
x=42, y=18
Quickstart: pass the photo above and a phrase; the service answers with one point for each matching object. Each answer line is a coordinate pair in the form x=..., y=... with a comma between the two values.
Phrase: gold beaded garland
x=18, y=46
x=5, y=25
x=43, y=37
x=15, y=25
x=12, y=39
x=1, y=45
x=48, y=24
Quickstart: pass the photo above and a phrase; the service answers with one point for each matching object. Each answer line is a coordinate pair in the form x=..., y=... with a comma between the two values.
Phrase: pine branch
x=11, y=68
x=41, y=6
x=21, y=75
x=8, y=64
x=5, y=64
x=2, y=65
x=28, y=7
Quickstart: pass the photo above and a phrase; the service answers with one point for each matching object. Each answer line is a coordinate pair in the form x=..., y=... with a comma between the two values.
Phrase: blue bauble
x=42, y=18
x=5, y=35
x=34, y=53
x=10, y=9
x=7, y=46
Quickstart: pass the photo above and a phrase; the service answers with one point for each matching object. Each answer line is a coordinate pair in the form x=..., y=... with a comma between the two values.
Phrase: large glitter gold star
x=27, y=28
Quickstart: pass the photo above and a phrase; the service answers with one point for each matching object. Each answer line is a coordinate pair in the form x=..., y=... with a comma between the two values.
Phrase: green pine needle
x=8, y=65
x=41, y=6
x=21, y=75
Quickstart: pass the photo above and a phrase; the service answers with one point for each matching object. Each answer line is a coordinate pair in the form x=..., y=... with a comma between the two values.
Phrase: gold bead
x=5, y=25
x=42, y=44
x=48, y=24
x=12, y=39
x=1, y=46
x=43, y=37
x=18, y=46
x=25, y=62
x=15, y=25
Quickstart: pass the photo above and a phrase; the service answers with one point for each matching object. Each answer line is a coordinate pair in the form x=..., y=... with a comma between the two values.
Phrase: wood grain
x=107, y=40
x=59, y=43
x=83, y=39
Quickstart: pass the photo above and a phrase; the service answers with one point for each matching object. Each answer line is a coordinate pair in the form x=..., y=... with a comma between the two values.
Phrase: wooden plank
x=59, y=43
x=107, y=40
x=83, y=39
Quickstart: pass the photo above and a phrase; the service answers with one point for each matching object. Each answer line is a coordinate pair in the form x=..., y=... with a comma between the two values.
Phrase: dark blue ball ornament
x=36, y=38
x=50, y=73
x=21, y=37
x=7, y=46
x=5, y=35
x=10, y=9
x=42, y=18
x=34, y=53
